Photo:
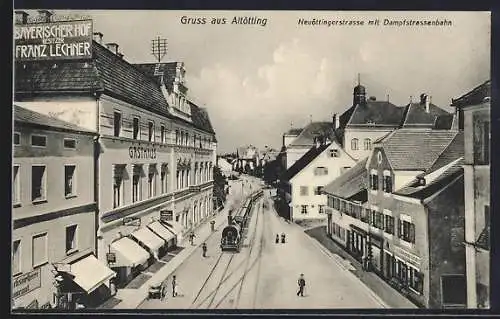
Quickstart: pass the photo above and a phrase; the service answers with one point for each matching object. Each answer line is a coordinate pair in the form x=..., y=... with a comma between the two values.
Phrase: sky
x=257, y=81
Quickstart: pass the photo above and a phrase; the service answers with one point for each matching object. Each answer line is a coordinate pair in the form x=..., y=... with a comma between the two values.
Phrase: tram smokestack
x=229, y=219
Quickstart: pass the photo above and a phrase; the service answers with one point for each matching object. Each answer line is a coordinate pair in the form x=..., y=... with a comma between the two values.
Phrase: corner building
x=155, y=151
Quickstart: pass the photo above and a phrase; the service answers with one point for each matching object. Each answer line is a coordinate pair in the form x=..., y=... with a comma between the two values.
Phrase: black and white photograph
x=204, y=160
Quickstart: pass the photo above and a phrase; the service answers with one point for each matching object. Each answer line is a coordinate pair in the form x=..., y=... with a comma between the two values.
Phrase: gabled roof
x=105, y=72
x=200, y=118
x=415, y=149
x=475, y=96
x=416, y=115
x=304, y=161
x=444, y=122
x=314, y=129
x=375, y=113
x=294, y=131
x=453, y=151
x=23, y=115
x=423, y=192
x=351, y=182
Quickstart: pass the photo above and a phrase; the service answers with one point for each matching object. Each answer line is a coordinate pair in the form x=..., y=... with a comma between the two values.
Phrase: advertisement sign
x=111, y=258
x=131, y=221
x=23, y=284
x=53, y=41
x=166, y=215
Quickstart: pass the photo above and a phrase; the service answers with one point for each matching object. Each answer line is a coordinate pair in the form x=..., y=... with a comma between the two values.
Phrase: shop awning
x=128, y=253
x=161, y=231
x=90, y=273
x=148, y=238
x=176, y=228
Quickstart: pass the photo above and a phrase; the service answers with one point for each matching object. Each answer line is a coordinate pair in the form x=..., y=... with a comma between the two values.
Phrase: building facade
x=155, y=149
x=474, y=108
x=54, y=214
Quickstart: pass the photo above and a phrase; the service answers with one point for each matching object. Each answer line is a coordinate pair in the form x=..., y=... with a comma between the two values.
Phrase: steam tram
x=232, y=234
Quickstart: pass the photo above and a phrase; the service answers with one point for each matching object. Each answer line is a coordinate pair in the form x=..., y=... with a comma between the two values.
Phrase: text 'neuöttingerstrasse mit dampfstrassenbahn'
x=376, y=22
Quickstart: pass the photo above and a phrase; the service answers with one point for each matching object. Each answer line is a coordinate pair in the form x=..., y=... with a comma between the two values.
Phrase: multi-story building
x=305, y=179
x=54, y=214
x=474, y=109
x=156, y=148
x=409, y=227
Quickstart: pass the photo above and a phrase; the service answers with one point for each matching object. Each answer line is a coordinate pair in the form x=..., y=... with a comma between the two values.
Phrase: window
x=303, y=209
x=387, y=185
x=39, y=250
x=117, y=185
x=163, y=178
x=389, y=224
x=321, y=209
x=69, y=143
x=354, y=144
x=336, y=203
x=71, y=239
x=69, y=180
x=38, y=140
x=135, y=129
x=365, y=215
x=117, y=124
x=320, y=171
x=367, y=144
x=151, y=131
x=374, y=181
x=151, y=184
x=136, y=185
x=416, y=280
x=16, y=185
x=406, y=231
x=176, y=137
x=486, y=215
x=304, y=191
x=38, y=182
x=16, y=257
x=17, y=138
x=318, y=190
x=481, y=141
x=334, y=153
x=162, y=134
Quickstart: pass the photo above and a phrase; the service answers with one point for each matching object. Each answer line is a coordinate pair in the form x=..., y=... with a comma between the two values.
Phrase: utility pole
x=159, y=48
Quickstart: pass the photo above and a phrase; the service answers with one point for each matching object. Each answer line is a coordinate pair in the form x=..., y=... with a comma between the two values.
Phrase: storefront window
x=151, y=184
x=118, y=186
x=136, y=185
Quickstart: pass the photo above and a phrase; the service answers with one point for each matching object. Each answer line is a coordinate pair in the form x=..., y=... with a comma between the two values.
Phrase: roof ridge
x=443, y=150
x=352, y=114
x=406, y=112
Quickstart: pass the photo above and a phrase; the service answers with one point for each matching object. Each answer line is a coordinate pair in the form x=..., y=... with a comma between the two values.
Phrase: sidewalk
x=391, y=297
x=130, y=298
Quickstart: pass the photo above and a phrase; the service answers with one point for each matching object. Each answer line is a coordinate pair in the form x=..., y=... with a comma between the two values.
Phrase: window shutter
x=412, y=233
x=399, y=228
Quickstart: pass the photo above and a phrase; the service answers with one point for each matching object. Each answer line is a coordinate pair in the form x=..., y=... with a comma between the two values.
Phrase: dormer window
x=334, y=153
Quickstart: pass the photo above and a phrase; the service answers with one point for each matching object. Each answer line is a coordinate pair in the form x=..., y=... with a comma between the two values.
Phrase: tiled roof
x=444, y=122
x=314, y=129
x=376, y=113
x=168, y=69
x=106, y=71
x=413, y=149
x=416, y=116
x=351, y=182
x=483, y=240
x=453, y=151
x=200, y=118
x=23, y=115
x=422, y=192
x=475, y=96
x=294, y=131
x=304, y=161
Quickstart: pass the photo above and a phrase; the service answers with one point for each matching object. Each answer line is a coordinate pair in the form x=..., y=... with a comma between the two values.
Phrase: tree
x=219, y=187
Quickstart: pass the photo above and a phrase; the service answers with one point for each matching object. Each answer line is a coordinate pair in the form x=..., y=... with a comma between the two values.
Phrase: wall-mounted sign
x=166, y=215
x=54, y=41
x=137, y=152
x=111, y=258
x=131, y=221
x=25, y=283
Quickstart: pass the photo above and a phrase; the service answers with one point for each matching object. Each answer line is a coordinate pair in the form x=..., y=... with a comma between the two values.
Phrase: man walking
x=204, y=248
x=301, y=282
x=191, y=238
x=174, y=286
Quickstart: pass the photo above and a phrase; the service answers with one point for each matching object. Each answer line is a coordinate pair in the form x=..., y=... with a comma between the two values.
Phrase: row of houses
x=112, y=166
x=405, y=190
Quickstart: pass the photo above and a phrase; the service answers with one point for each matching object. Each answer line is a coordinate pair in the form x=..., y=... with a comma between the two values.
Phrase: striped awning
x=128, y=253
x=161, y=231
x=89, y=273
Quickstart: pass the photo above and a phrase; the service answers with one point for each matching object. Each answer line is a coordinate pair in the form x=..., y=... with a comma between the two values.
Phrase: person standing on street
x=191, y=238
x=204, y=248
x=302, y=283
x=174, y=286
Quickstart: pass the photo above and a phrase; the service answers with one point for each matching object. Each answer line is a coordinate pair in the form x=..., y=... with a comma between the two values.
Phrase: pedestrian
x=302, y=283
x=191, y=238
x=277, y=238
x=163, y=290
x=282, y=238
x=174, y=286
x=204, y=248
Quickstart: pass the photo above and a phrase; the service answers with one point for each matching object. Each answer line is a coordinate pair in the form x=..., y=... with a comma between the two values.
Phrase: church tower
x=359, y=94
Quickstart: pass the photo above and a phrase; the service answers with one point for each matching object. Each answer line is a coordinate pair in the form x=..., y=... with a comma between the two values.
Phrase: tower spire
x=359, y=79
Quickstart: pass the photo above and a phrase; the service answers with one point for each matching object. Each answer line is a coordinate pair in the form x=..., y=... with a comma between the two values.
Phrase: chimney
x=334, y=121
x=425, y=101
x=113, y=47
x=44, y=15
x=428, y=101
x=98, y=37
x=372, y=98
x=337, y=121
x=120, y=55
x=21, y=17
